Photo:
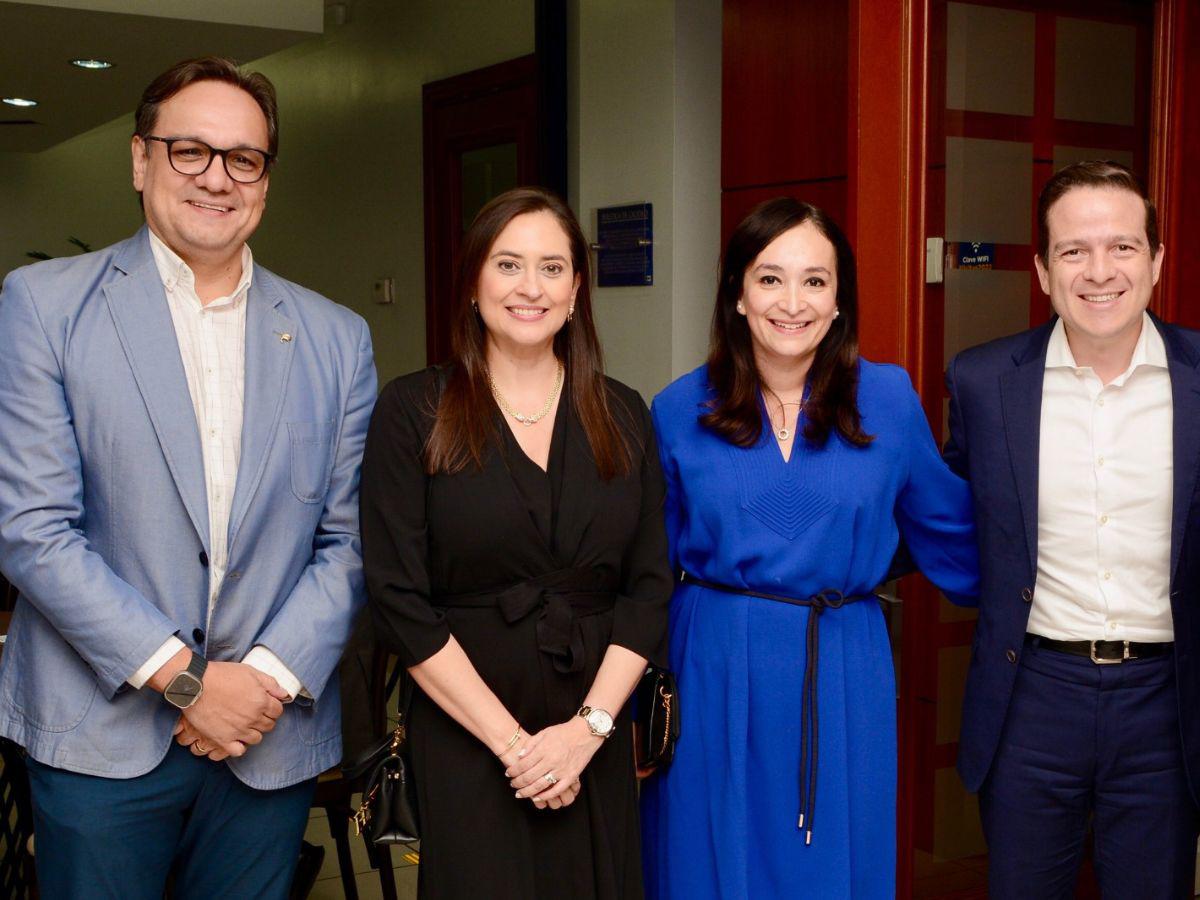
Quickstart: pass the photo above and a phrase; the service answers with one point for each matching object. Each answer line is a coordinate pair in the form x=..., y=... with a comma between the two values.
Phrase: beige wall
x=645, y=126
x=345, y=203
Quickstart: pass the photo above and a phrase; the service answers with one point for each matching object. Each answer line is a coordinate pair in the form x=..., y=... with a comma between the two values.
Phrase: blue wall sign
x=975, y=255
x=625, y=246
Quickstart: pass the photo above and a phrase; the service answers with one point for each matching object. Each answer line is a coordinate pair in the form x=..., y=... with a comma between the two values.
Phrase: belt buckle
x=1110, y=662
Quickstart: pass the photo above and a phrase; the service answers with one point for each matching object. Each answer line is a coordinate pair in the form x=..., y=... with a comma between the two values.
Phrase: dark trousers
x=1099, y=744
x=119, y=838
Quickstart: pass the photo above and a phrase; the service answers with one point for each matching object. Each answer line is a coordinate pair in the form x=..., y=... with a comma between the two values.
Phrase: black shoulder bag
x=657, y=700
x=388, y=812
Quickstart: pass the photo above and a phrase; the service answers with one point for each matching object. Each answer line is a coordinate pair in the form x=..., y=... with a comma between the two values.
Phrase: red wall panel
x=785, y=105
x=1179, y=190
x=784, y=93
x=829, y=194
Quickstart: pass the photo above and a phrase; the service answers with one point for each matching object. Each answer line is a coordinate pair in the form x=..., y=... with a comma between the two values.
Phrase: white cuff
x=265, y=661
x=170, y=647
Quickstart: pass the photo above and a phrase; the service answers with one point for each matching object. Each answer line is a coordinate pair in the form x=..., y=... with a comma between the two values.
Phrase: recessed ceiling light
x=92, y=63
x=19, y=101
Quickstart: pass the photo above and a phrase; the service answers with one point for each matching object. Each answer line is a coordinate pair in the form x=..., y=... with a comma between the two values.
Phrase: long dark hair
x=465, y=414
x=832, y=403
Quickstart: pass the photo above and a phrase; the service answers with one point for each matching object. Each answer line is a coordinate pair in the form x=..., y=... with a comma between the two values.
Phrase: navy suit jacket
x=995, y=420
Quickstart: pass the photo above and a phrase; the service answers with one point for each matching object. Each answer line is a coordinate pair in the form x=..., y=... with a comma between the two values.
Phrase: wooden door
x=481, y=138
x=1016, y=90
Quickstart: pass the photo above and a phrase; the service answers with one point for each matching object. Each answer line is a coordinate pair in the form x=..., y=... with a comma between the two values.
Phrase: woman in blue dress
x=793, y=468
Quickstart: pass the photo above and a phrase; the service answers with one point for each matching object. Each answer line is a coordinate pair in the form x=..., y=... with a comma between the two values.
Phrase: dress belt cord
x=817, y=603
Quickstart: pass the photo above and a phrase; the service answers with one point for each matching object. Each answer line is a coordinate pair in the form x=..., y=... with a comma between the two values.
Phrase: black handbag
x=388, y=812
x=657, y=701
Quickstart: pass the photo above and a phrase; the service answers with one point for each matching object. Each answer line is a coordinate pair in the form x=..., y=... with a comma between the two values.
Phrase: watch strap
x=197, y=666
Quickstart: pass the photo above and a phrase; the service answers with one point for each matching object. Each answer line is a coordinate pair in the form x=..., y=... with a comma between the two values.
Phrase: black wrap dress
x=535, y=573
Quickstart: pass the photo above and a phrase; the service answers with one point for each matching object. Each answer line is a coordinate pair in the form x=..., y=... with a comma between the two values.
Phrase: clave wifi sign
x=975, y=255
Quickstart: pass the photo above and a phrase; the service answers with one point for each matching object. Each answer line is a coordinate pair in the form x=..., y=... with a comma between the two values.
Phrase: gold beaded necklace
x=541, y=413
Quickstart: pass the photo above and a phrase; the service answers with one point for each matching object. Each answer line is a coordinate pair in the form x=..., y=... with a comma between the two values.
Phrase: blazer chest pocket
x=312, y=463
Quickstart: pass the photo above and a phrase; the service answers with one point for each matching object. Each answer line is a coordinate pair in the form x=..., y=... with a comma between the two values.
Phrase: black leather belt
x=1102, y=653
x=817, y=604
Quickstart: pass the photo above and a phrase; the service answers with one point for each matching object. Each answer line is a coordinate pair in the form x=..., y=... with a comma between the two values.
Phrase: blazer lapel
x=1021, y=403
x=1185, y=402
x=271, y=339
x=138, y=306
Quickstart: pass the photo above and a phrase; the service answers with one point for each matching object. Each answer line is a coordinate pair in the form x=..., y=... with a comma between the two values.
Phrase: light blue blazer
x=104, y=518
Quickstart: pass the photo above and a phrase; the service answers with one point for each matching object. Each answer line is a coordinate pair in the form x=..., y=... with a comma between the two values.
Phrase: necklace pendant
x=783, y=434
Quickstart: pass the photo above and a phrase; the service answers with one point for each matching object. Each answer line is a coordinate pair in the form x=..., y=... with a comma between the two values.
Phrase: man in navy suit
x=1081, y=440
x=180, y=438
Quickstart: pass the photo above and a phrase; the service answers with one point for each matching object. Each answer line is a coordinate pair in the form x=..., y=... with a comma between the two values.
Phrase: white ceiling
x=39, y=38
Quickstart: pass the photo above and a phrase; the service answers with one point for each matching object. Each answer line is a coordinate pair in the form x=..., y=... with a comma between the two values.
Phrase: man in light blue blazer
x=180, y=438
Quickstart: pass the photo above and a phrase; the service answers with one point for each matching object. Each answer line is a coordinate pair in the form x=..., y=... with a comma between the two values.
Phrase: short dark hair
x=832, y=404
x=208, y=68
x=1092, y=173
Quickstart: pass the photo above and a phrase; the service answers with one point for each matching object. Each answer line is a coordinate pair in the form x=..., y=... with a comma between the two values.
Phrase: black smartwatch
x=185, y=688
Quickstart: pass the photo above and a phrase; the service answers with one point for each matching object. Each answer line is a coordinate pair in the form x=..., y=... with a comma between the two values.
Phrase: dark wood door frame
x=889, y=155
x=489, y=106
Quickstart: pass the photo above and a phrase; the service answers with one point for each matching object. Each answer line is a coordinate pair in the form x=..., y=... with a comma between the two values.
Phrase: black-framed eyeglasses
x=188, y=156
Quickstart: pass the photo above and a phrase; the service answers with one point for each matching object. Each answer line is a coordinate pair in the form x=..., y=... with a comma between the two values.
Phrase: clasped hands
x=561, y=751
x=239, y=704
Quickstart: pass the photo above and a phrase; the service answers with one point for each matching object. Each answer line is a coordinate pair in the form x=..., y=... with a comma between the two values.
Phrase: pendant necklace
x=783, y=433
x=536, y=417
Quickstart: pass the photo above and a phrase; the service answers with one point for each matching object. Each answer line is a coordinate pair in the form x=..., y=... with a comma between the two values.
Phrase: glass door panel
x=1016, y=91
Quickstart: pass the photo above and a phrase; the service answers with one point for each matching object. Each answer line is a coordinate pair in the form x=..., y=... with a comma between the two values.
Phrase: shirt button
x=1100, y=461
x=1104, y=520
x=1107, y=576
x=1100, y=401
x=1112, y=626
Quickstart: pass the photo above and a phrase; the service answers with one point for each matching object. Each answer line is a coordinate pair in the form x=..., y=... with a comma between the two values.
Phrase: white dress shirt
x=212, y=345
x=1105, y=472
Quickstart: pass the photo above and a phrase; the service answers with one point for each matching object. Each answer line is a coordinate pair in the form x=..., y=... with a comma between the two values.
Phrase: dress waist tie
x=817, y=603
x=559, y=598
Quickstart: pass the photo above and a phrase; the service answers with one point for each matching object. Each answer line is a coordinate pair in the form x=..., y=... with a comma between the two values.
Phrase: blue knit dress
x=723, y=821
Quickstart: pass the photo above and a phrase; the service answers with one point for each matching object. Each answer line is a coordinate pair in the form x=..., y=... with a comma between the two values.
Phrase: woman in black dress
x=516, y=560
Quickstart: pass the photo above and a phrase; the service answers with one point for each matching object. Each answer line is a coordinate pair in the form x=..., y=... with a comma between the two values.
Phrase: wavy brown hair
x=832, y=383
x=465, y=414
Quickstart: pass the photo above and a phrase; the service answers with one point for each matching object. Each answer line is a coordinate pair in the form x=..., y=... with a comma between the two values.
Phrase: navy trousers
x=189, y=817
x=1090, y=744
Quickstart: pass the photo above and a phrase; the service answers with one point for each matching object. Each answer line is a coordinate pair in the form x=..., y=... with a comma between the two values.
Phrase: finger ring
x=550, y=779
x=202, y=748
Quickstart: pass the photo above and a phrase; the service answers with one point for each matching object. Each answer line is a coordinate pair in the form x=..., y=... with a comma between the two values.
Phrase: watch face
x=600, y=722
x=183, y=690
